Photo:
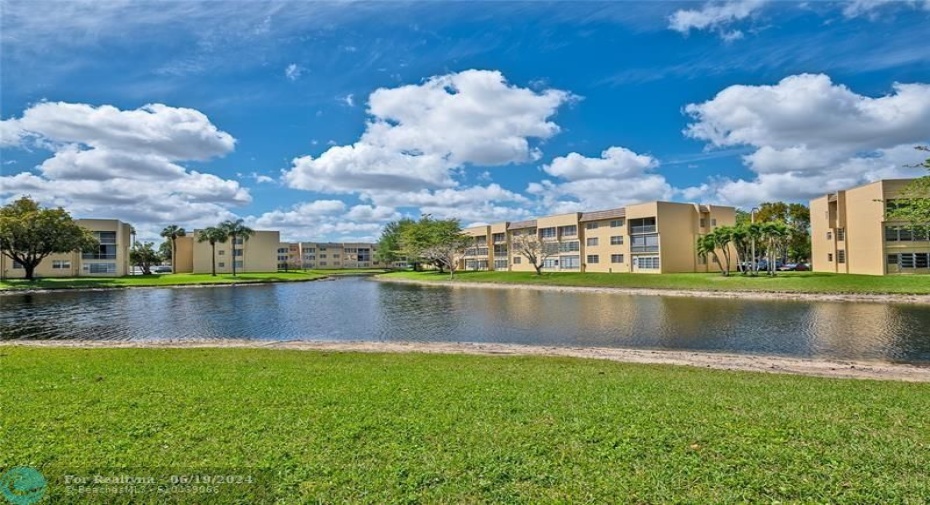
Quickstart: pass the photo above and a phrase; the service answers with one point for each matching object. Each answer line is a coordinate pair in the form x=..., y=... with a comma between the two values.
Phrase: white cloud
x=856, y=8
x=714, y=15
x=109, y=162
x=327, y=220
x=618, y=177
x=418, y=134
x=293, y=72
x=811, y=136
x=348, y=100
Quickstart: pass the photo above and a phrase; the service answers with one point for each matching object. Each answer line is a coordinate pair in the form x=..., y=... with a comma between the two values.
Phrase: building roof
x=603, y=214
x=519, y=225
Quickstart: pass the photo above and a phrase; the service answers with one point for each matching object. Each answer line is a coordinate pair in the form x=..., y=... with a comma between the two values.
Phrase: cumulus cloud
x=618, y=177
x=856, y=8
x=714, y=16
x=332, y=219
x=123, y=163
x=419, y=134
x=811, y=136
x=293, y=72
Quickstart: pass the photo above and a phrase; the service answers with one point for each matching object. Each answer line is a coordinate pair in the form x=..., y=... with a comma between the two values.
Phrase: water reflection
x=359, y=309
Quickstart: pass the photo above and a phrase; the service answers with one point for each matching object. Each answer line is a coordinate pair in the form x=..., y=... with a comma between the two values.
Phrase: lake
x=359, y=309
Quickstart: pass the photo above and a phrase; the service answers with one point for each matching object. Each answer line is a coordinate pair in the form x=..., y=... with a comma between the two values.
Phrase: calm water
x=360, y=309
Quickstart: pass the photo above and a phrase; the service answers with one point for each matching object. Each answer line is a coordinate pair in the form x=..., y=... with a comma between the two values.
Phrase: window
x=500, y=264
x=590, y=226
x=335, y=256
x=237, y=253
x=647, y=262
x=568, y=231
x=239, y=241
x=644, y=225
x=499, y=237
x=914, y=260
x=644, y=243
x=591, y=241
x=616, y=240
x=841, y=256
x=892, y=259
x=517, y=260
x=238, y=263
x=830, y=257
x=703, y=223
x=61, y=264
x=547, y=232
x=322, y=263
x=221, y=252
x=713, y=221
x=551, y=263
x=100, y=268
x=221, y=264
x=107, y=248
x=593, y=258
x=906, y=234
x=569, y=262
x=310, y=250
x=500, y=250
x=17, y=265
x=616, y=258
x=841, y=234
x=573, y=246
x=322, y=256
x=829, y=235
x=282, y=250
x=616, y=223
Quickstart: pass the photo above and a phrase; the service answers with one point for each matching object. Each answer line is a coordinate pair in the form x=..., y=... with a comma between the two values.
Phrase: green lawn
x=415, y=428
x=175, y=279
x=800, y=282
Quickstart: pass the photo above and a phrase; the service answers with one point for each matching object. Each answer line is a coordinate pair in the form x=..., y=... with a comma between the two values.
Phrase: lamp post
x=752, y=220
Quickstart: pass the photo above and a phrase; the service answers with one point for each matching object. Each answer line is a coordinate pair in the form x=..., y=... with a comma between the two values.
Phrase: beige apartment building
x=653, y=237
x=341, y=255
x=258, y=253
x=850, y=234
x=111, y=259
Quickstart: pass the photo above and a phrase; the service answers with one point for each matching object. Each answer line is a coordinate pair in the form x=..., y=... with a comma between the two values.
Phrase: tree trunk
x=29, y=271
x=174, y=254
x=234, y=254
x=213, y=257
x=538, y=268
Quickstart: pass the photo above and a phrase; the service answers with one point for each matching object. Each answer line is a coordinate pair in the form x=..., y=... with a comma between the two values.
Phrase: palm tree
x=773, y=234
x=236, y=229
x=707, y=245
x=722, y=237
x=132, y=234
x=172, y=232
x=212, y=234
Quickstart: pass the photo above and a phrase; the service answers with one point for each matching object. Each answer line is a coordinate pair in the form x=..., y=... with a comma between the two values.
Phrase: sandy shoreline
x=755, y=295
x=748, y=363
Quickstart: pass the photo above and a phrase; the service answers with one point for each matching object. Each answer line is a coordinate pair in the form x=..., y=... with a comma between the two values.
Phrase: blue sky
x=327, y=120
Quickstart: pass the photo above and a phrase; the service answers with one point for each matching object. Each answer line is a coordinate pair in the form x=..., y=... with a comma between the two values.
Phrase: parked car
x=161, y=269
x=788, y=267
x=802, y=267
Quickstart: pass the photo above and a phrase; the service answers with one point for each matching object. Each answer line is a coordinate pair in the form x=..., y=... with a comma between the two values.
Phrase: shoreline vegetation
x=173, y=280
x=799, y=285
x=335, y=427
x=784, y=286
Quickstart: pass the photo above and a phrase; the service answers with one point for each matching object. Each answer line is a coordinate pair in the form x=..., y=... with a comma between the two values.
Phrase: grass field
x=412, y=428
x=800, y=282
x=174, y=279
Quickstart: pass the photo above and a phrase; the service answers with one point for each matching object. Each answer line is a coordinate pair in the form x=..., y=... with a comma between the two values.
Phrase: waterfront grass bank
x=784, y=282
x=387, y=428
x=167, y=280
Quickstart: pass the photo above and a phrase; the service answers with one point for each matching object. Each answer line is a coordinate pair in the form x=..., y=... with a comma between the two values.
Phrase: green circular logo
x=22, y=485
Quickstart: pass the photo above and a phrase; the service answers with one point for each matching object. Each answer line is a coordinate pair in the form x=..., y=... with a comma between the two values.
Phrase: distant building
x=110, y=259
x=654, y=237
x=850, y=233
x=257, y=253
